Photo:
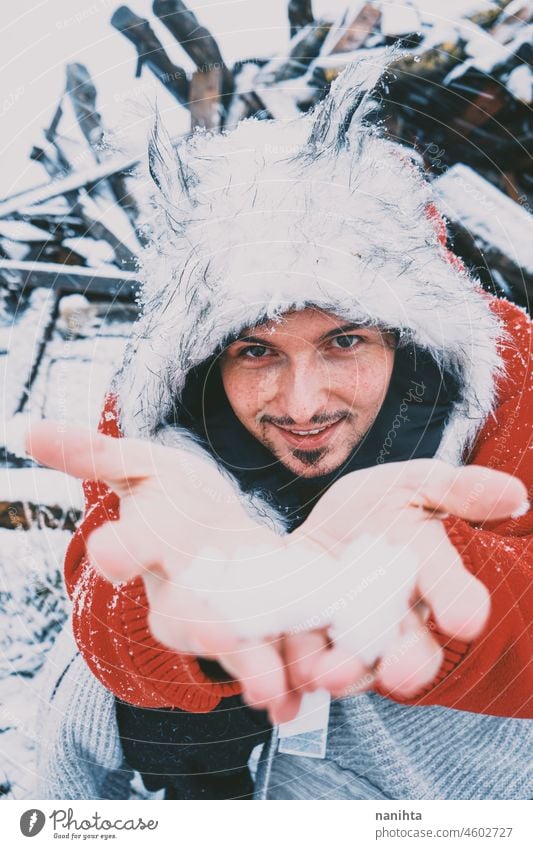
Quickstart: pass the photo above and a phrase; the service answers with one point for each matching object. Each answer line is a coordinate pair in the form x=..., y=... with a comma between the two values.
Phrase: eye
x=345, y=342
x=254, y=352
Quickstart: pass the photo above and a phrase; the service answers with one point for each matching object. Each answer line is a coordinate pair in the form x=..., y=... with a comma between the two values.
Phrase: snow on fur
x=262, y=596
x=321, y=210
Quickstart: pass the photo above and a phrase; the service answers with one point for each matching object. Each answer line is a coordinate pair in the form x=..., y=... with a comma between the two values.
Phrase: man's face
x=308, y=387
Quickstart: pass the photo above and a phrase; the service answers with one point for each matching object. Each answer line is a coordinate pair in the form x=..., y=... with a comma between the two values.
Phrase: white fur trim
x=261, y=220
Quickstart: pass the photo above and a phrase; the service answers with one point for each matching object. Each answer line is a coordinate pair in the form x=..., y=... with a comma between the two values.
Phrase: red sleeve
x=494, y=674
x=111, y=623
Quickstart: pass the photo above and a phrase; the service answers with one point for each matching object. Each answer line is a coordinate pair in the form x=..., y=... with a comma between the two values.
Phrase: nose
x=306, y=391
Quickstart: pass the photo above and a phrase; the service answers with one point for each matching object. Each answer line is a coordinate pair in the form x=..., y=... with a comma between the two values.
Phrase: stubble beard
x=312, y=459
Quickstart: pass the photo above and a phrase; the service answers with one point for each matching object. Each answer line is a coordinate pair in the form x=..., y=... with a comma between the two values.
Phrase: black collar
x=409, y=425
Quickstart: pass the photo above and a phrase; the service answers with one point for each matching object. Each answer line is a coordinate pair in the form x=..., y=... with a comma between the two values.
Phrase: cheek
x=364, y=384
x=248, y=391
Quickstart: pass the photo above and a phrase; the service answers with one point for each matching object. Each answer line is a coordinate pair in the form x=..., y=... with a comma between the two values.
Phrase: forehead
x=307, y=322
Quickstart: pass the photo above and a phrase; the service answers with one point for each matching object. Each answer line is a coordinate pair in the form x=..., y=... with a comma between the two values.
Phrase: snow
x=75, y=31
x=79, y=360
x=435, y=13
x=95, y=251
x=399, y=20
x=21, y=231
x=33, y=607
x=23, y=345
x=40, y=486
x=520, y=83
x=76, y=315
x=486, y=53
x=75, y=373
x=488, y=214
x=362, y=597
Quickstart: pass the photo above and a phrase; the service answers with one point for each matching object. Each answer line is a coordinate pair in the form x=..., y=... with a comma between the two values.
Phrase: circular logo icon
x=32, y=822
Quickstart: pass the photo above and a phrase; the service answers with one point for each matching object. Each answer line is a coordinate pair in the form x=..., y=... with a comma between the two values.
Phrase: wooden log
x=431, y=64
x=205, y=99
x=500, y=229
x=82, y=205
x=50, y=132
x=50, y=135
x=53, y=167
x=82, y=92
x=89, y=177
x=51, y=218
x=354, y=35
x=28, y=339
x=109, y=282
x=513, y=17
x=151, y=53
x=22, y=231
x=23, y=515
x=300, y=14
x=244, y=77
x=40, y=496
x=486, y=104
x=255, y=105
x=303, y=49
x=94, y=217
x=486, y=17
x=195, y=39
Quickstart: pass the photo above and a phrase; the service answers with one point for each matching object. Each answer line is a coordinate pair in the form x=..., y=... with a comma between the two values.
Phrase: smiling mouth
x=311, y=437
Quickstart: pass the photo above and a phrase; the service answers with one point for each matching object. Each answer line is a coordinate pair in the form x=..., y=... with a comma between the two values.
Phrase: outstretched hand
x=405, y=503
x=174, y=503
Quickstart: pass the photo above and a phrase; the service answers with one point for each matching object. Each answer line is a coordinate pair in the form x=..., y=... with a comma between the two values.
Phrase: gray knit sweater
x=376, y=749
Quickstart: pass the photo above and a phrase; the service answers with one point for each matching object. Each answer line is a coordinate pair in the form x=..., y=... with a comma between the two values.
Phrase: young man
x=306, y=333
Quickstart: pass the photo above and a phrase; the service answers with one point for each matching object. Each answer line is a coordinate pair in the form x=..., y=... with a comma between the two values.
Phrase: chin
x=315, y=472
x=312, y=467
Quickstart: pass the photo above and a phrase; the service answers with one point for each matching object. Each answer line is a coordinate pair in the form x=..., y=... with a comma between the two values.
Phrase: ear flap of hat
x=172, y=175
x=354, y=94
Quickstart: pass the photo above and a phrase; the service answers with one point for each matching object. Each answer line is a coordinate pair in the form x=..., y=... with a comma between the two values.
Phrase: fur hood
x=321, y=210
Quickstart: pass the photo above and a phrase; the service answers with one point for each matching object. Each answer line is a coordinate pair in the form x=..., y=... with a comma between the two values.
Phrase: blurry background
x=77, y=91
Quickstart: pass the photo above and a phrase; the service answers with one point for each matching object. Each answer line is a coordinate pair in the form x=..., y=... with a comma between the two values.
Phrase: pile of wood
x=458, y=96
x=459, y=92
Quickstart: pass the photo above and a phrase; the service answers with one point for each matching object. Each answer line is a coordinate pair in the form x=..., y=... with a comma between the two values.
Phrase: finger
x=411, y=664
x=336, y=670
x=474, y=493
x=183, y=621
x=260, y=669
x=301, y=652
x=286, y=708
x=87, y=455
x=459, y=602
x=120, y=551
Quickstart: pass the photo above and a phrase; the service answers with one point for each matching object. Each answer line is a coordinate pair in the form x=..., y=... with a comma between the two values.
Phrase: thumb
x=474, y=493
x=88, y=455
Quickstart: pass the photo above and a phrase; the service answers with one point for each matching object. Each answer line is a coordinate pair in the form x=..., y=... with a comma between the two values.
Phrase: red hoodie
x=492, y=675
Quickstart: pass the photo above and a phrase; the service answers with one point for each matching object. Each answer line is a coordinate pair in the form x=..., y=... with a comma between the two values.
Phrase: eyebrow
x=335, y=331
x=256, y=339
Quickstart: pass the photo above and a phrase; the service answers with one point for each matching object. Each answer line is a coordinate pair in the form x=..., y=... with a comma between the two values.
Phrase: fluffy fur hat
x=277, y=215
